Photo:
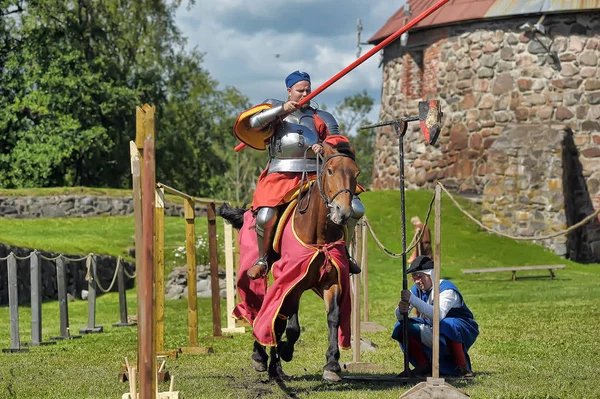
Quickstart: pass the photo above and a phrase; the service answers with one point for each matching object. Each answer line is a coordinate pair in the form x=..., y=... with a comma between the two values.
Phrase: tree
x=71, y=74
x=352, y=112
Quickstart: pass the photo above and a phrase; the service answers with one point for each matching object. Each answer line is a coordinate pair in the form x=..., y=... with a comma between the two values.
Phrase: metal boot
x=266, y=219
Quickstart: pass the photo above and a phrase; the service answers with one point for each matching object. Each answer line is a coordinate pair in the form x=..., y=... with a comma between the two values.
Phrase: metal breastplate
x=292, y=137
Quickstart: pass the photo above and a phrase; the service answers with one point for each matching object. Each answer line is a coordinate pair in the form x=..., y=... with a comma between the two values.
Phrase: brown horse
x=318, y=222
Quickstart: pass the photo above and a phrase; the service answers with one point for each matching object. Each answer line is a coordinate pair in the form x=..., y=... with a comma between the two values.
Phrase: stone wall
x=76, y=272
x=524, y=193
x=489, y=76
x=177, y=288
x=491, y=79
x=77, y=206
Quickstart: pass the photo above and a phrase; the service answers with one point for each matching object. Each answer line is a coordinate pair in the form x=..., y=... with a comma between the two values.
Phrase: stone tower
x=520, y=89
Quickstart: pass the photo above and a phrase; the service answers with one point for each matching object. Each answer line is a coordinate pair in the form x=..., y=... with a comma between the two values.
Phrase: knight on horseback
x=294, y=136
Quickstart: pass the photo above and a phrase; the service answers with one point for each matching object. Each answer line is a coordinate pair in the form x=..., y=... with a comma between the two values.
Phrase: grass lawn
x=537, y=338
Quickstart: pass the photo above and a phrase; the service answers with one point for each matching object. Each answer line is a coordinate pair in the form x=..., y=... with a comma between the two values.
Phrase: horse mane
x=345, y=148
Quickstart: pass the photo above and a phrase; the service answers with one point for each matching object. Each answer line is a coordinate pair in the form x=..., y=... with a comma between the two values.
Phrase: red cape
x=261, y=306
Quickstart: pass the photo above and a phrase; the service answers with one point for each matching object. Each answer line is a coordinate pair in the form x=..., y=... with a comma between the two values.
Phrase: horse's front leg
x=331, y=296
x=259, y=358
x=275, y=370
x=292, y=333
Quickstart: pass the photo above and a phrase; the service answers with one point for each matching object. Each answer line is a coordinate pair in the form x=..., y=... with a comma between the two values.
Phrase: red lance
x=366, y=56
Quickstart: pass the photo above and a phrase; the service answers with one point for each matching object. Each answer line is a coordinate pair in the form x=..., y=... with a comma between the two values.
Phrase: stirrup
x=259, y=269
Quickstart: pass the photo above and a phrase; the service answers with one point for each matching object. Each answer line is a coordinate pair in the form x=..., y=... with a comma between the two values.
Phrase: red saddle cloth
x=260, y=306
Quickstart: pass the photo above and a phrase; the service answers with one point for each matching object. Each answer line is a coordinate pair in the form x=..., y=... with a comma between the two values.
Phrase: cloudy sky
x=254, y=45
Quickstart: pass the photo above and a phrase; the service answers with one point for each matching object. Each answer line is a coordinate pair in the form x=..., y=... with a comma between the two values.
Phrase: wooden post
x=214, y=269
x=13, y=304
x=92, y=284
x=122, y=296
x=159, y=269
x=146, y=349
x=365, y=270
x=230, y=280
x=437, y=259
x=435, y=387
x=366, y=325
x=357, y=250
x=61, y=280
x=355, y=281
x=35, y=272
x=144, y=129
x=63, y=307
x=136, y=169
x=190, y=251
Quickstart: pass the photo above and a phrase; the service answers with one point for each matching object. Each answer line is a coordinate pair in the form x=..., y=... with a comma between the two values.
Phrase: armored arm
x=263, y=118
x=330, y=121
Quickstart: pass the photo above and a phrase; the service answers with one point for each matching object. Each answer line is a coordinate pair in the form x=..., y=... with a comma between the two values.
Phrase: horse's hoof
x=259, y=366
x=331, y=376
x=286, y=351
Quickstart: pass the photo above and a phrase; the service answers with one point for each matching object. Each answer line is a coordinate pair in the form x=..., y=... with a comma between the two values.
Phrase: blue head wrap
x=296, y=77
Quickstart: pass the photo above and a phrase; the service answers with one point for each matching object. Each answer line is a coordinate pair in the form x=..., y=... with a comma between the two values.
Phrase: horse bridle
x=320, y=166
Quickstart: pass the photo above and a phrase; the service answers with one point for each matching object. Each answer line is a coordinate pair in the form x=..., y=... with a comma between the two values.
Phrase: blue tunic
x=458, y=325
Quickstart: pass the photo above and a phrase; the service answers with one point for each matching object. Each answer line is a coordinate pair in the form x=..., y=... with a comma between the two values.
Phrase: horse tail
x=233, y=214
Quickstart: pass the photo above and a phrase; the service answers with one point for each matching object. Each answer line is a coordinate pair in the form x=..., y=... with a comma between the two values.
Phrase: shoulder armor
x=273, y=102
x=330, y=121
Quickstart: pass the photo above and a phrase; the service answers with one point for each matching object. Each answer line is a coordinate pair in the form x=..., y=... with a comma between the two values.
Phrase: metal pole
x=437, y=256
x=403, y=223
x=13, y=304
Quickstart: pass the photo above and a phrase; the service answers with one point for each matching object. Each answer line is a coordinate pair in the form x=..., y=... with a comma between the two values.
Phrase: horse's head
x=338, y=180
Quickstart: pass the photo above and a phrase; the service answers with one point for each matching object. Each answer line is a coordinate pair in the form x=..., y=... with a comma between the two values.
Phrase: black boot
x=353, y=267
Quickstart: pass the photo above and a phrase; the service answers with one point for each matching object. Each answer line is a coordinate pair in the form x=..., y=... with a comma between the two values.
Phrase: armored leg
x=266, y=219
x=358, y=211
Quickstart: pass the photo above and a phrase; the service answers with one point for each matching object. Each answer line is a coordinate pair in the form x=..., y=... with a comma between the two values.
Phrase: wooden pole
x=230, y=280
x=146, y=349
x=437, y=259
x=92, y=285
x=357, y=250
x=122, y=295
x=159, y=269
x=365, y=270
x=190, y=251
x=36, y=298
x=214, y=269
x=61, y=280
x=136, y=170
x=13, y=304
x=435, y=387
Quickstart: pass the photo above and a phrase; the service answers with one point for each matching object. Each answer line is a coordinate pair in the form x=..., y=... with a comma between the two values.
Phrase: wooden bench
x=515, y=269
